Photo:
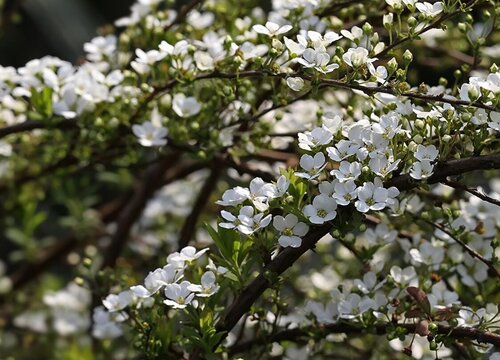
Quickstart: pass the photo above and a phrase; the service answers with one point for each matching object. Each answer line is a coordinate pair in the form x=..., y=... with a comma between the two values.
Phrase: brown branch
x=457, y=185
x=151, y=181
x=471, y=251
x=32, y=125
x=189, y=227
x=449, y=168
x=468, y=333
x=183, y=12
x=287, y=257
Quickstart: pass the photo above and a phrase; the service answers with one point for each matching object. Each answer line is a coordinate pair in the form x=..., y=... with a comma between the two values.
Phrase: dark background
x=30, y=29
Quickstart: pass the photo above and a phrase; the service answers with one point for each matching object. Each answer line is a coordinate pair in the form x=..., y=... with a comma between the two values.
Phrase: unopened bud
x=407, y=57
x=392, y=65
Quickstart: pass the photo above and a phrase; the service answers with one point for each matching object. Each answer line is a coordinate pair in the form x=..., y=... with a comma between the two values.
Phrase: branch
x=467, y=248
x=287, y=257
x=469, y=333
x=189, y=227
x=152, y=180
x=448, y=168
x=457, y=185
x=183, y=12
x=32, y=125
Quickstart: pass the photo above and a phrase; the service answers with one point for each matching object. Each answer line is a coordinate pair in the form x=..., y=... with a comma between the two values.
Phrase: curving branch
x=189, y=226
x=458, y=186
x=491, y=267
x=287, y=257
x=469, y=333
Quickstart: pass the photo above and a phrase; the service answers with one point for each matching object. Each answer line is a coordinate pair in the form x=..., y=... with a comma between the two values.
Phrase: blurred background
x=31, y=29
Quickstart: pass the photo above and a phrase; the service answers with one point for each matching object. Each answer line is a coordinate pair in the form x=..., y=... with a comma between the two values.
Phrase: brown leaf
x=420, y=297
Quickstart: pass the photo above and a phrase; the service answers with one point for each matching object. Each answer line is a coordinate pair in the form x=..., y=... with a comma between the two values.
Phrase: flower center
x=288, y=232
x=322, y=213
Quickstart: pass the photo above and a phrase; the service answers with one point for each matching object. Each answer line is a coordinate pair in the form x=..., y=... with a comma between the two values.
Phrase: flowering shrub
x=315, y=180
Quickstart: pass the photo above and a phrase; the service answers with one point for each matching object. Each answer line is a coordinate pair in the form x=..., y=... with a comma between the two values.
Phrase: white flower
x=150, y=135
x=373, y=196
x=322, y=209
x=208, y=285
x=440, y=297
x=203, y=61
x=356, y=57
x=428, y=254
x=429, y=9
x=342, y=150
x=282, y=185
x=312, y=166
x=347, y=171
x=495, y=120
x=294, y=47
x=145, y=59
x=321, y=42
x=318, y=60
x=317, y=137
x=246, y=222
x=261, y=192
x=404, y=277
x=178, y=295
x=421, y=170
x=382, y=167
x=180, y=48
x=185, y=106
x=187, y=254
x=295, y=83
x=345, y=192
x=156, y=280
x=234, y=197
x=290, y=230
x=118, y=302
x=429, y=153
x=469, y=92
x=324, y=313
x=354, y=306
x=380, y=73
x=272, y=29
x=104, y=325
x=369, y=283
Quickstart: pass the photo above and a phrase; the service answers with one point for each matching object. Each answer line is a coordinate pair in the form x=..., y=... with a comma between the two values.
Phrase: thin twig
x=457, y=185
x=189, y=227
x=467, y=248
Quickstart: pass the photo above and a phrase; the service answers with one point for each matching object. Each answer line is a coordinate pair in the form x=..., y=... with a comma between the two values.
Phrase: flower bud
x=392, y=65
x=412, y=146
x=367, y=28
x=446, y=138
x=494, y=68
x=412, y=22
x=473, y=93
x=420, y=123
x=407, y=57
x=418, y=139
x=462, y=27
x=278, y=45
x=388, y=20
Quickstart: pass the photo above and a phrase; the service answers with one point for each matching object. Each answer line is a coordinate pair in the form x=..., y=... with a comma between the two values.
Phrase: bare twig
x=189, y=227
x=457, y=185
x=467, y=248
